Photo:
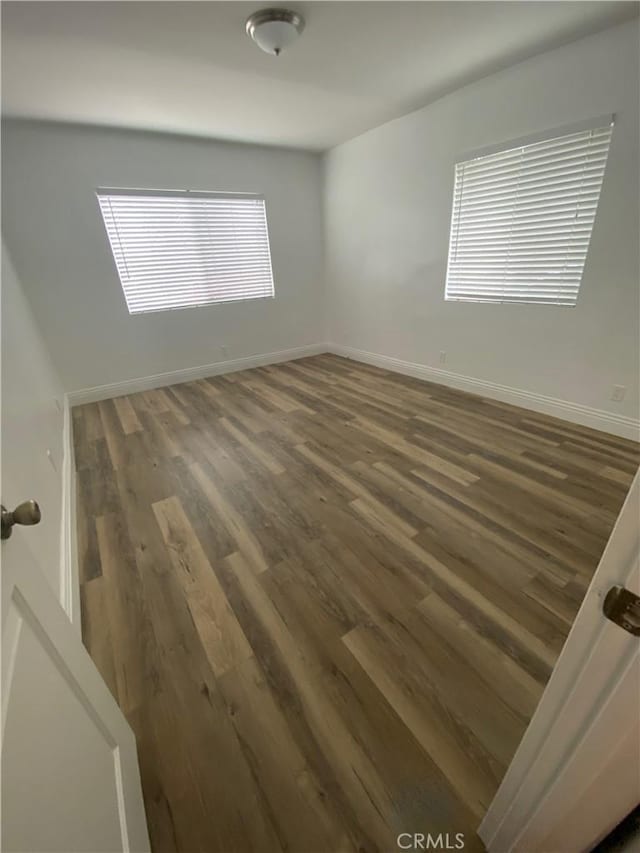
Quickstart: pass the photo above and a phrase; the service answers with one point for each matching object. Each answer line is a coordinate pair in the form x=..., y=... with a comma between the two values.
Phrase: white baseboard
x=620, y=425
x=69, y=577
x=146, y=383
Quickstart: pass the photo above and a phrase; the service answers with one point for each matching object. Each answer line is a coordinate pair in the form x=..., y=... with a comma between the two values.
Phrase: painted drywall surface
x=388, y=197
x=56, y=237
x=32, y=423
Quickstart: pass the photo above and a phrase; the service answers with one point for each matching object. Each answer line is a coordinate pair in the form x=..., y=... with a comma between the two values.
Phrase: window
x=180, y=249
x=522, y=220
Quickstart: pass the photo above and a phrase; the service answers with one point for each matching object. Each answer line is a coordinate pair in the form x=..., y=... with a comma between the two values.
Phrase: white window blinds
x=522, y=220
x=180, y=249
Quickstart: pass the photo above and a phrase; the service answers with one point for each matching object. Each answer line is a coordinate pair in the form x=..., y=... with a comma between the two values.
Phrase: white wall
x=32, y=423
x=388, y=200
x=54, y=231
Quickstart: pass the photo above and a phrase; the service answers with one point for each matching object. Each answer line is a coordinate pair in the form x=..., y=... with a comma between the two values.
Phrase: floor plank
x=328, y=597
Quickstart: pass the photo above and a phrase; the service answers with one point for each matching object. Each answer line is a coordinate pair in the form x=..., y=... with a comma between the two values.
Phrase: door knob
x=27, y=512
x=623, y=607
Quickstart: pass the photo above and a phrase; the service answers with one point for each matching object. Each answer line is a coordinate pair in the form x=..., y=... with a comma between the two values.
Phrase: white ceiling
x=188, y=67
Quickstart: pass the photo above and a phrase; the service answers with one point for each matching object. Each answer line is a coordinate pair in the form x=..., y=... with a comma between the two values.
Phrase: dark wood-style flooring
x=328, y=597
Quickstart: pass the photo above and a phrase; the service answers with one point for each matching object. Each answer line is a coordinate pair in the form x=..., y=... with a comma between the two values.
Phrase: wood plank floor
x=328, y=597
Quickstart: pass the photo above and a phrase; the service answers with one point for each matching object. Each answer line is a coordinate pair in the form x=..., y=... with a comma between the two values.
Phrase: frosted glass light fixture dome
x=274, y=29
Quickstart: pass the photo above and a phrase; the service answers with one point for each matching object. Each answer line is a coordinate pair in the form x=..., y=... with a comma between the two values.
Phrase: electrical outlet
x=617, y=395
x=224, y=351
x=443, y=357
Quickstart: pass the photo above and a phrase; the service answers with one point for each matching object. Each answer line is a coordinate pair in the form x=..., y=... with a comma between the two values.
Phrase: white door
x=576, y=774
x=70, y=779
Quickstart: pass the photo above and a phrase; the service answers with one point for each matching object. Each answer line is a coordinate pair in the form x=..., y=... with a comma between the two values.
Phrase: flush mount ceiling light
x=274, y=29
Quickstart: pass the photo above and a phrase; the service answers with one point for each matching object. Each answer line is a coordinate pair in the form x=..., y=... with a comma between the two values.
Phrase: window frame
x=106, y=192
x=549, y=135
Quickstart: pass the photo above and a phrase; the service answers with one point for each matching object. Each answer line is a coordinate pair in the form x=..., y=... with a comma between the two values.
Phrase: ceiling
x=189, y=68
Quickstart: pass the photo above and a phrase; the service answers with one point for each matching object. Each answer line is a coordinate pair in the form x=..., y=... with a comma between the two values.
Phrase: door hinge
x=623, y=607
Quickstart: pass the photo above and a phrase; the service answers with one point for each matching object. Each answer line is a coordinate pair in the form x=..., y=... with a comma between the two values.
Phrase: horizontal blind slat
x=588, y=143
x=534, y=173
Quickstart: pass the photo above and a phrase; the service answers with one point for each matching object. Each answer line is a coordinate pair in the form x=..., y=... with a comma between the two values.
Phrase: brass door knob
x=27, y=512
